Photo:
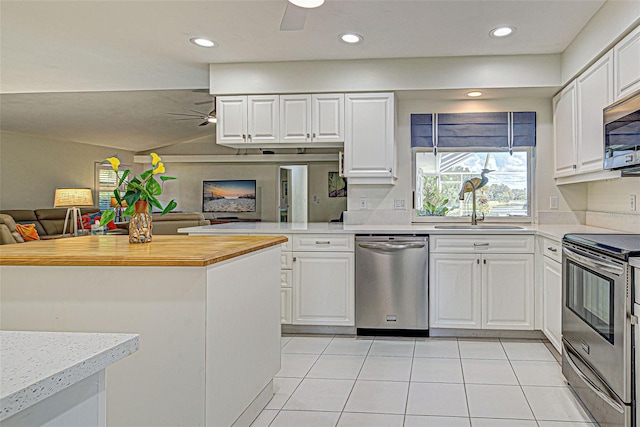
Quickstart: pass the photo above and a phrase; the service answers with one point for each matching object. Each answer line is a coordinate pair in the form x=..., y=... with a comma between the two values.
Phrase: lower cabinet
x=552, y=301
x=323, y=288
x=285, y=305
x=481, y=290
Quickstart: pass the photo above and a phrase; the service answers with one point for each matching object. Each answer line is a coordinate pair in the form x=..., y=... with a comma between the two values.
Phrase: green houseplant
x=139, y=193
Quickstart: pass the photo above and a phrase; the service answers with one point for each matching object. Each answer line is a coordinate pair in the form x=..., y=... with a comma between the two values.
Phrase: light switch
x=553, y=202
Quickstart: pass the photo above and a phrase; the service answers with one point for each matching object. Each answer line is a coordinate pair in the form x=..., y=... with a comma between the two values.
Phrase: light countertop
x=555, y=232
x=36, y=365
x=179, y=251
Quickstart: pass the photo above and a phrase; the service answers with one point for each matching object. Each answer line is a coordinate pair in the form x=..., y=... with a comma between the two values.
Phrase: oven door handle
x=593, y=263
x=606, y=397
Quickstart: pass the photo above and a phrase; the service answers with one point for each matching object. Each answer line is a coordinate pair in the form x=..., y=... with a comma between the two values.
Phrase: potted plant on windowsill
x=140, y=193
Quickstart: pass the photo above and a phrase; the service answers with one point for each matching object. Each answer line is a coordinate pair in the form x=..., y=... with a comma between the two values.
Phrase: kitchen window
x=505, y=191
x=494, y=150
x=106, y=182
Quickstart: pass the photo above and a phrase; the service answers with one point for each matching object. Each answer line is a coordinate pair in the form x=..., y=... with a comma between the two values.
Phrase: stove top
x=620, y=245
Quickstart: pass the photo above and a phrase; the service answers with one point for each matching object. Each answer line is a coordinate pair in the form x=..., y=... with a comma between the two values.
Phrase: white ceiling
x=142, y=46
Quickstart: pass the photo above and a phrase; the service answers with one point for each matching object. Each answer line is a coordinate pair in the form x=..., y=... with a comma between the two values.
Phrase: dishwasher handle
x=391, y=246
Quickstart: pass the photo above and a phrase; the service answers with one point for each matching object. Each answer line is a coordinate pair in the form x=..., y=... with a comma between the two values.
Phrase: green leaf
x=153, y=187
x=107, y=216
x=155, y=202
x=170, y=206
x=124, y=175
x=144, y=175
x=167, y=178
x=129, y=211
x=131, y=199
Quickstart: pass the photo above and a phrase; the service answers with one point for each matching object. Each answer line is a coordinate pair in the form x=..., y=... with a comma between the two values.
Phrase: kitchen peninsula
x=206, y=309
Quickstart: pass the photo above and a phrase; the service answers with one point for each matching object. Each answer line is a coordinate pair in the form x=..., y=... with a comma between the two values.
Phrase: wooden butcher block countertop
x=170, y=251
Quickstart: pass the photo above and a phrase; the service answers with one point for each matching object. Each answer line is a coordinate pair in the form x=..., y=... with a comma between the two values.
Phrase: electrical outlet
x=632, y=202
x=363, y=203
x=398, y=204
x=553, y=202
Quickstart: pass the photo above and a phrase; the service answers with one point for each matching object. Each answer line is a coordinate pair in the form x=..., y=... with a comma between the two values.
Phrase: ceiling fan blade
x=294, y=18
x=206, y=122
x=192, y=118
x=197, y=116
x=203, y=102
x=199, y=112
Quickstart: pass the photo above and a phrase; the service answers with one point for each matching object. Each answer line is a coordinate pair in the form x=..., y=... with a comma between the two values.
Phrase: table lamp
x=72, y=199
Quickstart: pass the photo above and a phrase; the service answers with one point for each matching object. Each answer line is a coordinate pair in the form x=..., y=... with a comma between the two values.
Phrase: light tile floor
x=404, y=382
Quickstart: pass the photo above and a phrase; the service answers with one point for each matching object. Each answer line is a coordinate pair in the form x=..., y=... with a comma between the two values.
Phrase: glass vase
x=140, y=223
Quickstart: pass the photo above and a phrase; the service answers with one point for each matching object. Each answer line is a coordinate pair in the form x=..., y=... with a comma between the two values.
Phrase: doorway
x=292, y=193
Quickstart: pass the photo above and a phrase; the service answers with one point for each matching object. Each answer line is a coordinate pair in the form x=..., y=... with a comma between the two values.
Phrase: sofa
x=49, y=222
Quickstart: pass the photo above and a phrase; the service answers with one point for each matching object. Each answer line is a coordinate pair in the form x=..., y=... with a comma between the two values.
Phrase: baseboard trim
x=253, y=410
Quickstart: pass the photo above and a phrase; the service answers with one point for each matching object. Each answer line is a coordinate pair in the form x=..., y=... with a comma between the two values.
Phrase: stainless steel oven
x=597, y=323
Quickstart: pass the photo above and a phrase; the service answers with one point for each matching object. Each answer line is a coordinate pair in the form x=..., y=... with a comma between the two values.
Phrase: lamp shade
x=114, y=203
x=73, y=197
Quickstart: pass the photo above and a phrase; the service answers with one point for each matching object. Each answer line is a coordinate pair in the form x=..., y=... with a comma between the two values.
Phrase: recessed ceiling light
x=474, y=93
x=501, y=31
x=351, y=38
x=203, y=42
x=307, y=4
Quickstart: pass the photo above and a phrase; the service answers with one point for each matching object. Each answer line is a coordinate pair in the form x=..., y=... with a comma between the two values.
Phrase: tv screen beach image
x=229, y=196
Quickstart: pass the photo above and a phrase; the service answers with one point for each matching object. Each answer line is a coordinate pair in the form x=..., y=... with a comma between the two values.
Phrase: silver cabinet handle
x=295, y=259
x=552, y=249
x=480, y=245
x=391, y=246
x=314, y=134
x=244, y=137
x=308, y=136
x=323, y=242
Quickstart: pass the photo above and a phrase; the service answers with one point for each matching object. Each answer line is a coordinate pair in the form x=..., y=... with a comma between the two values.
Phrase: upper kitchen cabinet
x=369, y=145
x=247, y=119
x=317, y=120
x=578, y=123
x=626, y=56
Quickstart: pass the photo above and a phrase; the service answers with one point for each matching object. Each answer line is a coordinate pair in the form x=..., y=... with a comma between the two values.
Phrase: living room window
x=106, y=182
x=505, y=180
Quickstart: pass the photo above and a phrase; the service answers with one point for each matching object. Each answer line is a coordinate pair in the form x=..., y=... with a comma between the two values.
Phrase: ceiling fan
x=199, y=115
x=295, y=14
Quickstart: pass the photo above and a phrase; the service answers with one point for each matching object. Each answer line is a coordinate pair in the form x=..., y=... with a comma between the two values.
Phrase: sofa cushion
x=25, y=216
x=11, y=225
x=5, y=236
x=28, y=232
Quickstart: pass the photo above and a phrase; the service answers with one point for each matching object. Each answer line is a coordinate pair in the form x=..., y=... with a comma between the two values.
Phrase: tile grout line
x=355, y=381
x=406, y=401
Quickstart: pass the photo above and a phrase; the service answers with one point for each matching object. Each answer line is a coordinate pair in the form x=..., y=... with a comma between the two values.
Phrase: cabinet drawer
x=482, y=243
x=286, y=278
x=286, y=260
x=323, y=242
x=552, y=249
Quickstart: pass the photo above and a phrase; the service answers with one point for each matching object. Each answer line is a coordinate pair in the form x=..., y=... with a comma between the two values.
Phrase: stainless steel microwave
x=622, y=134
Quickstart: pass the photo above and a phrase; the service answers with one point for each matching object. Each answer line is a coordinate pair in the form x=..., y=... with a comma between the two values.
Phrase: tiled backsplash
x=614, y=220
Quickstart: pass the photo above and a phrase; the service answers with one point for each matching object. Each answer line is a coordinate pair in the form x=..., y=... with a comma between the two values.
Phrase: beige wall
x=187, y=190
x=613, y=196
x=32, y=167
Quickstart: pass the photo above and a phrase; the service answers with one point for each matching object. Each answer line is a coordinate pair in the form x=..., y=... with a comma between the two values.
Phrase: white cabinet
x=286, y=282
x=476, y=284
x=369, y=145
x=285, y=305
x=626, y=56
x=594, y=93
x=315, y=119
x=552, y=292
x=578, y=122
x=564, y=131
x=323, y=280
x=247, y=119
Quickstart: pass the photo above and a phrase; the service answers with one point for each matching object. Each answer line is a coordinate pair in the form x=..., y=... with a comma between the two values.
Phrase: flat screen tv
x=235, y=196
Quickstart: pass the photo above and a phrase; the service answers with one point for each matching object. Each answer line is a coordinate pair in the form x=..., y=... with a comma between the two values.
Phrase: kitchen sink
x=478, y=227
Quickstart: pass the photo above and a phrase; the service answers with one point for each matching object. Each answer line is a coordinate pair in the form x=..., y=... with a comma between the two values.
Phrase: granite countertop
x=555, y=232
x=172, y=251
x=35, y=365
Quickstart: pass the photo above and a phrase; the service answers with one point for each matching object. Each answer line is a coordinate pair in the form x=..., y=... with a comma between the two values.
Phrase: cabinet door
x=285, y=306
x=594, y=93
x=454, y=291
x=232, y=119
x=295, y=118
x=263, y=118
x=552, y=302
x=564, y=129
x=328, y=117
x=507, y=291
x=323, y=289
x=626, y=57
x=369, y=146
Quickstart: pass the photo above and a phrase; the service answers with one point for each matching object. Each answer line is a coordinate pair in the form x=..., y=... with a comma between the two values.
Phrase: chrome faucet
x=474, y=215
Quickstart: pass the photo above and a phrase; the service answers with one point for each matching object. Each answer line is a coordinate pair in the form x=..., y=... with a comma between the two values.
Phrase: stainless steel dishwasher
x=392, y=276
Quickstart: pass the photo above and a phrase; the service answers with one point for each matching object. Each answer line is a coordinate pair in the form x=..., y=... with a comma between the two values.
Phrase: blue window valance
x=474, y=130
